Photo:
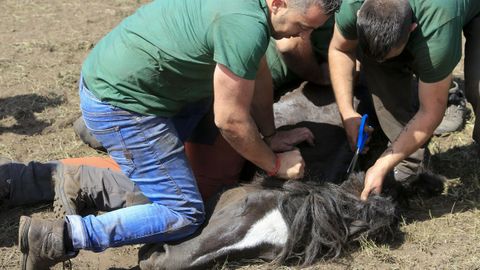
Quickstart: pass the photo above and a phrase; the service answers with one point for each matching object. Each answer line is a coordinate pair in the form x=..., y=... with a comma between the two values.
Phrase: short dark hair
x=328, y=6
x=383, y=25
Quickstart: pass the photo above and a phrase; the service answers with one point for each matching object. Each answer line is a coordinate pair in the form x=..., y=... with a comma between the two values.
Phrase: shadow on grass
x=23, y=108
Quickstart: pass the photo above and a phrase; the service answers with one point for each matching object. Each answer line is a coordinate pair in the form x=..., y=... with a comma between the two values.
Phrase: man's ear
x=277, y=4
x=413, y=26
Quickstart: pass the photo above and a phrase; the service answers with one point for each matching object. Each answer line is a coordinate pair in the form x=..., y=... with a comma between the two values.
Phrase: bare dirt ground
x=42, y=45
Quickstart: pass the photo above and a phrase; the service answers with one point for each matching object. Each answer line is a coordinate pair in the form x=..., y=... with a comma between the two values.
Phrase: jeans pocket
x=113, y=141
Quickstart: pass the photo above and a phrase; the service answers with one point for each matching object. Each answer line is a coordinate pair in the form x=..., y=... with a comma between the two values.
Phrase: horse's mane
x=324, y=218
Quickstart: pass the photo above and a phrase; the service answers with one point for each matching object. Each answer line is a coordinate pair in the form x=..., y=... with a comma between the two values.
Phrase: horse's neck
x=245, y=223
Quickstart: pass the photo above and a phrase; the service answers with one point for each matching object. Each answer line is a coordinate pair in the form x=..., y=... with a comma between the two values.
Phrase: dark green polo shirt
x=436, y=44
x=164, y=55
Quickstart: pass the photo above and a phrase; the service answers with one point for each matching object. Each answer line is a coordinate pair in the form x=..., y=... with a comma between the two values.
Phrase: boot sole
x=60, y=201
x=23, y=228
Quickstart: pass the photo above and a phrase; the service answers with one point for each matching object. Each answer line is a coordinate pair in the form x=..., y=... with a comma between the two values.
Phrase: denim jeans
x=150, y=151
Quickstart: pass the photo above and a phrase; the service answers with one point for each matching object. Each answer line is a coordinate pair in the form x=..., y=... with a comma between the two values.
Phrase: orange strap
x=99, y=162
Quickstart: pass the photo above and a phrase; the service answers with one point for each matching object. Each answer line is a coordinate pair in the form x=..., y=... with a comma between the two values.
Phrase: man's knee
x=190, y=217
x=195, y=214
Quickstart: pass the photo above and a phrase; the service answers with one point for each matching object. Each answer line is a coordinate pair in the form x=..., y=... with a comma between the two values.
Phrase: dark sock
x=67, y=238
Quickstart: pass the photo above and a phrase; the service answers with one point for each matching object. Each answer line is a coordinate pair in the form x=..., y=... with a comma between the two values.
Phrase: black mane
x=324, y=218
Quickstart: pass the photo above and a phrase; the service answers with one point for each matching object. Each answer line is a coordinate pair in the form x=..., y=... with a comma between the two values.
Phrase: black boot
x=85, y=135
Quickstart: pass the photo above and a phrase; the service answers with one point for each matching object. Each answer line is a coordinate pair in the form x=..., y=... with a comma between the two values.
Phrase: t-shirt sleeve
x=438, y=55
x=239, y=44
x=346, y=19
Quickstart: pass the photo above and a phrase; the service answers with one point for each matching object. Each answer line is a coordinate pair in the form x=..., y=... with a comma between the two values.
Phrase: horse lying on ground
x=294, y=221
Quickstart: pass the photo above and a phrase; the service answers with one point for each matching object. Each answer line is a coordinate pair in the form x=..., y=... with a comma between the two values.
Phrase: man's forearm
x=342, y=67
x=245, y=139
x=414, y=135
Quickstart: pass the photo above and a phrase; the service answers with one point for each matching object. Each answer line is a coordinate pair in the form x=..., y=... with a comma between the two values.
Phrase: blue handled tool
x=361, y=139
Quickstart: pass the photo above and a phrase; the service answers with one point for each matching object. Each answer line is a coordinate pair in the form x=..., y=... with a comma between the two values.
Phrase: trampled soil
x=42, y=45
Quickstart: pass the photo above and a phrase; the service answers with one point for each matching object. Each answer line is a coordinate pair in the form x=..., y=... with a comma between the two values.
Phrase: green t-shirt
x=164, y=55
x=436, y=43
x=320, y=39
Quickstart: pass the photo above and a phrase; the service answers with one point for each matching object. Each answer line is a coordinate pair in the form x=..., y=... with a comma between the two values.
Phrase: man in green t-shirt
x=304, y=58
x=397, y=39
x=143, y=89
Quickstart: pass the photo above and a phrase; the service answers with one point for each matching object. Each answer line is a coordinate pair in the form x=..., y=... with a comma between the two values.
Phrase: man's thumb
x=364, y=195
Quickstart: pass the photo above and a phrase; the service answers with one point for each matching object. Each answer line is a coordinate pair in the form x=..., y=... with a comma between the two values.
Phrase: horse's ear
x=357, y=227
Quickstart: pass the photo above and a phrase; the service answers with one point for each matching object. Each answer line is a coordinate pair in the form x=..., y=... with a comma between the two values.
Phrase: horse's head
x=324, y=218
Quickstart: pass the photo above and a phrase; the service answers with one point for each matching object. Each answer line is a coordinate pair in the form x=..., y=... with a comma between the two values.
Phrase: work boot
x=81, y=190
x=42, y=243
x=68, y=199
x=5, y=179
x=86, y=135
x=454, y=117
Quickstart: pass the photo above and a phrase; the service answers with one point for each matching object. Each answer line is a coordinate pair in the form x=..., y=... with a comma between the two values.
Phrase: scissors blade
x=353, y=162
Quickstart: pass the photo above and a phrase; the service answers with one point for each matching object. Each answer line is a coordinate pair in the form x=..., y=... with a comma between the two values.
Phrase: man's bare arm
x=342, y=61
x=232, y=101
x=433, y=102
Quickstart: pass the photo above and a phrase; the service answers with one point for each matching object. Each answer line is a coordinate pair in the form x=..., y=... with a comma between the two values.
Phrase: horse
x=295, y=221
x=280, y=221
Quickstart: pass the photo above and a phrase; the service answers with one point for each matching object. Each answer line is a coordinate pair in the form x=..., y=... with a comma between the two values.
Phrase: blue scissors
x=361, y=139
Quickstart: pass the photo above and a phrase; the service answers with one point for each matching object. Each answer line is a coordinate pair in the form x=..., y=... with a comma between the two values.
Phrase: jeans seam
x=161, y=165
x=124, y=150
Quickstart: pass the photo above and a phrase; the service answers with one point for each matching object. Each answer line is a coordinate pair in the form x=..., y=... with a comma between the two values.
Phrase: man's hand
x=373, y=182
x=292, y=165
x=286, y=140
x=351, y=124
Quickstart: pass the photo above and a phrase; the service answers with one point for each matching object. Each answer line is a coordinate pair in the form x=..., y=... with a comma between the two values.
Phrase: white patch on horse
x=271, y=229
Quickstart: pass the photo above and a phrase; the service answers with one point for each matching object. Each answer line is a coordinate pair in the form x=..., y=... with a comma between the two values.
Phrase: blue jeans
x=150, y=151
